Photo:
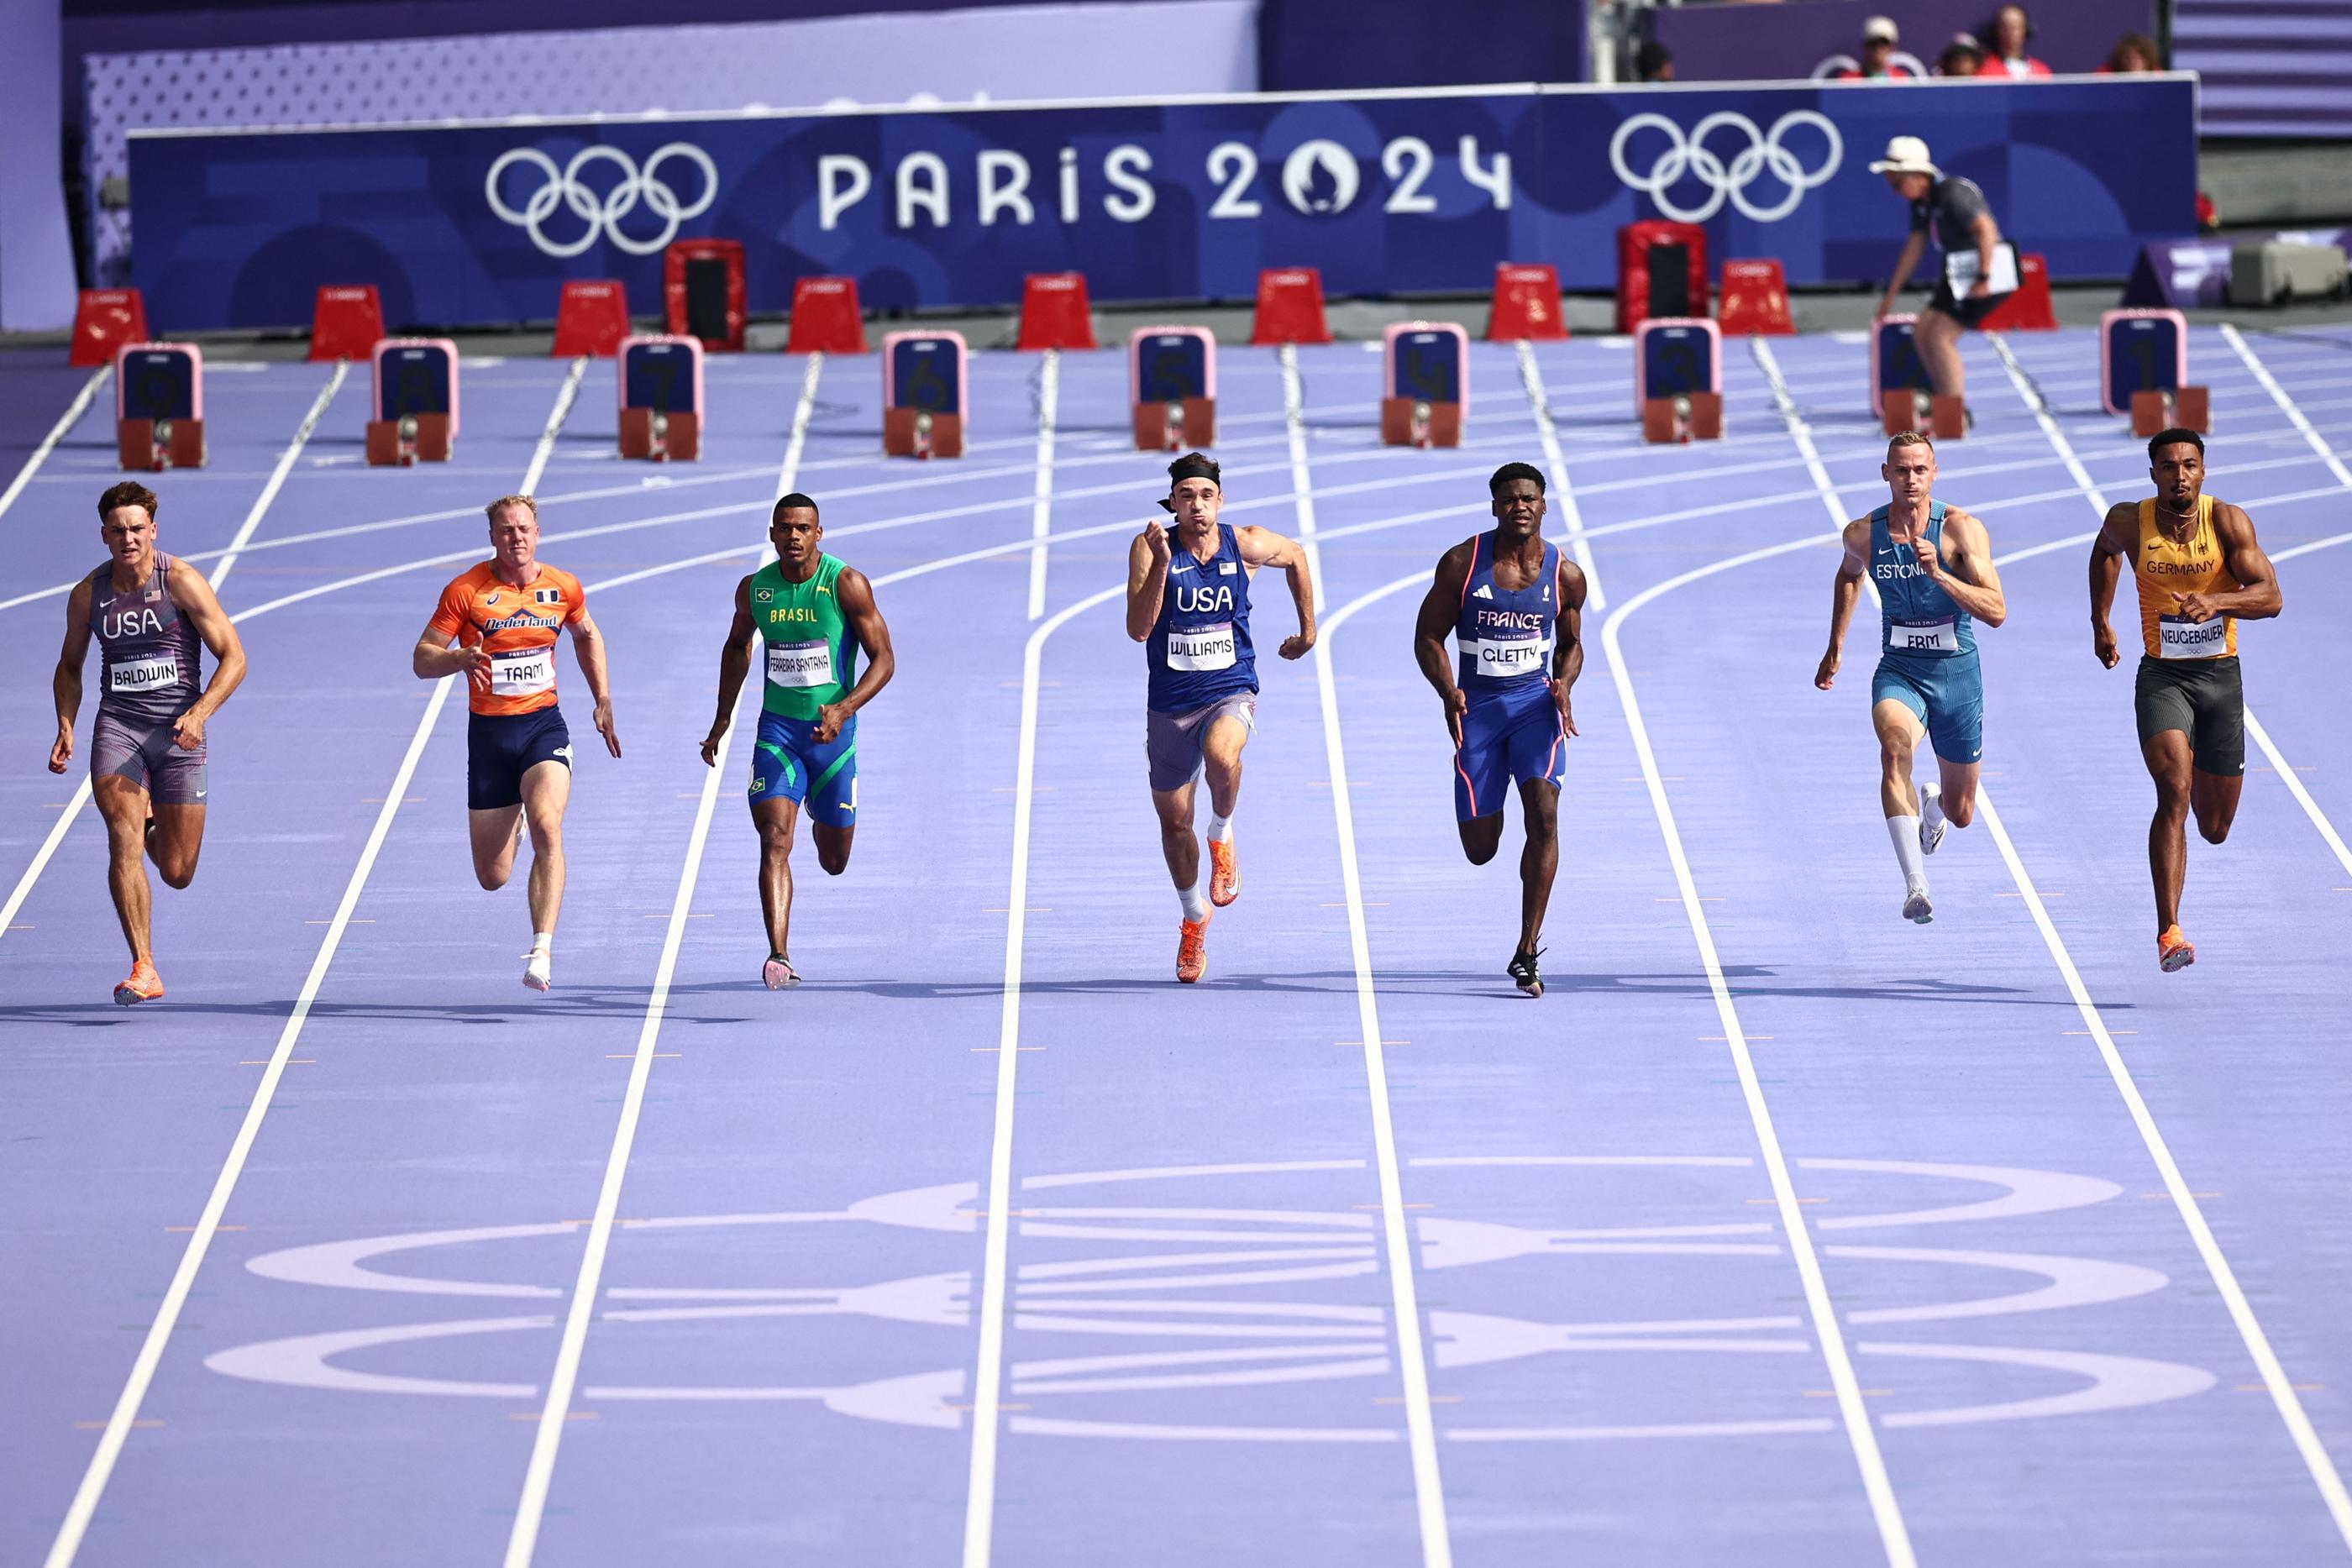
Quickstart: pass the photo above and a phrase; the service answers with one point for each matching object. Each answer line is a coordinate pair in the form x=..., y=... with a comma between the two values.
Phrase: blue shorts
x=1506, y=738
x=500, y=748
x=1947, y=696
x=787, y=763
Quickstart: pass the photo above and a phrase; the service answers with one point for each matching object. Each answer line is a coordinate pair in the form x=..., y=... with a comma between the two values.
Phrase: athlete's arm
x=588, y=644
x=2257, y=596
x=1264, y=547
x=1146, y=578
x=1844, y=589
x=1568, y=653
x=2116, y=535
x=433, y=657
x=1966, y=573
x=855, y=594
x=1439, y=607
x=1904, y=264
x=1988, y=235
x=197, y=601
x=67, y=683
x=734, y=664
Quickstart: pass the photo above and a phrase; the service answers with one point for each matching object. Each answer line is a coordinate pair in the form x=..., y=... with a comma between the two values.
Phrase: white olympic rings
x=1689, y=155
x=603, y=215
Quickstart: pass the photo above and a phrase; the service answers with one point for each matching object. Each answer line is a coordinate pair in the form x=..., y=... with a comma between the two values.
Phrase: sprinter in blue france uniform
x=1932, y=567
x=1514, y=605
x=1188, y=602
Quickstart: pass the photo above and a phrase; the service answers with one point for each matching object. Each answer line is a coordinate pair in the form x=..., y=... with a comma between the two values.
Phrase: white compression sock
x=1905, y=832
x=543, y=941
x=1931, y=805
x=1195, y=903
x=1221, y=828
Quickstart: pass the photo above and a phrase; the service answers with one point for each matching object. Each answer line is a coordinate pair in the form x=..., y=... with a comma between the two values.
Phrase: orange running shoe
x=2173, y=951
x=1192, y=950
x=143, y=986
x=1225, y=872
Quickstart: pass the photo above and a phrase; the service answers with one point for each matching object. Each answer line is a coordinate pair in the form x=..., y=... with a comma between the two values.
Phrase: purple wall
x=1768, y=43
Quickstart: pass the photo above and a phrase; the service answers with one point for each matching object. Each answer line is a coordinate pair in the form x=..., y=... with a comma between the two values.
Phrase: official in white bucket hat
x=1979, y=267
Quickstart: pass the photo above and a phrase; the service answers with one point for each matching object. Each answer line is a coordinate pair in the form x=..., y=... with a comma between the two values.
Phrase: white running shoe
x=1932, y=823
x=778, y=973
x=1915, y=907
x=537, y=973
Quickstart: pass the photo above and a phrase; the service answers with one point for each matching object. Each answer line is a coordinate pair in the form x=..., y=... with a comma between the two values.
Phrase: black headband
x=1191, y=466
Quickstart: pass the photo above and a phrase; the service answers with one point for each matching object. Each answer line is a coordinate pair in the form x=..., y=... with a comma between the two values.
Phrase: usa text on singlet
x=1200, y=651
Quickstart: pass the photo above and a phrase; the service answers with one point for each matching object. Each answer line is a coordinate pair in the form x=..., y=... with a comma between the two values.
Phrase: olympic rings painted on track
x=1688, y=154
x=603, y=215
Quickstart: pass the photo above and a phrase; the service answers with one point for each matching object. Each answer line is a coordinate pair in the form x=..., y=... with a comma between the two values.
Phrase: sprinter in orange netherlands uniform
x=2199, y=572
x=503, y=617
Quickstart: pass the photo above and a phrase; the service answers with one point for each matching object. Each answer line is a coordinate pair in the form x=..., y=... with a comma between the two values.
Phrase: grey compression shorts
x=1172, y=741
x=145, y=754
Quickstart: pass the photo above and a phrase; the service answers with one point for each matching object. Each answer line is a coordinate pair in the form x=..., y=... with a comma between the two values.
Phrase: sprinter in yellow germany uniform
x=2199, y=572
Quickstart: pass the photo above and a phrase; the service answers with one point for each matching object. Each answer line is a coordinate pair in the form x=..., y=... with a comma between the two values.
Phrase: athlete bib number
x=148, y=674
x=1940, y=635
x=800, y=664
x=1202, y=648
x=1501, y=661
x=2179, y=637
x=522, y=673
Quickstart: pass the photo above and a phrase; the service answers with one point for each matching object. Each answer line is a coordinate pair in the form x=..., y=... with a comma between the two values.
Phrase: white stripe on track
x=192, y=1258
x=988, y=1374
x=58, y=432
x=1041, y=511
x=1799, y=431
x=286, y=461
x=539, y=1473
x=1531, y=377
x=2231, y=336
x=1294, y=418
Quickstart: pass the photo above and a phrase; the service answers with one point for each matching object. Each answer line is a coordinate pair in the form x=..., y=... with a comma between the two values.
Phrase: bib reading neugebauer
x=812, y=659
x=2178, y=637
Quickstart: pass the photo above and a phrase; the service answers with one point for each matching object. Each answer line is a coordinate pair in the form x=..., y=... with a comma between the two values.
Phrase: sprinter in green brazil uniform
x=815, y=614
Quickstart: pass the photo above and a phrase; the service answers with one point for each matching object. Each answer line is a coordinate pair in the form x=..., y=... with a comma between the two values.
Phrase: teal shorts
x=789, y=764
x=1947, y=696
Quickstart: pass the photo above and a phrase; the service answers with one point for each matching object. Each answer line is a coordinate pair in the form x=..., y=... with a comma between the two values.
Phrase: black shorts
x=2205, y=699
x=1966, y=312
x=500, y=748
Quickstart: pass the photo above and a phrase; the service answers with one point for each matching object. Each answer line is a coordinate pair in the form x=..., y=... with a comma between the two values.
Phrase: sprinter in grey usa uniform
x=149, y=614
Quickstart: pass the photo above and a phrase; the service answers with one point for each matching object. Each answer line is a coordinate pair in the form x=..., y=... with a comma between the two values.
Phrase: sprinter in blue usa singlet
x=1513, y=603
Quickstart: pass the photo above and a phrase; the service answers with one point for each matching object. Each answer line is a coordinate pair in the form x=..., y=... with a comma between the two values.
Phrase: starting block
x=1901, y=394
x=159, y=405
x=2144, y=371
x=415, y=381
x=1678, y=378
x=1938, y=414
x=1172, y=378
x=661, y=398
x=923, y=390
x=1426, y=383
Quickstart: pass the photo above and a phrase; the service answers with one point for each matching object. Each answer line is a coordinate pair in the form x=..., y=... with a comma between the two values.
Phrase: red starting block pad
x=661, y=398
x=159, y=405
x=414, y=384
x=2144, y=371
x=1290, y=307
x=105, y=319
x=591, y=319
x=702, y=292
x=1755, y=299
x=1678, y=378
x=825, y=317
x=1172, y=381
x=2030, y=309
x=1425, y=386
x=1526, y=305
x=1661, y=272
x=1054, y=313
x=923, y=394
x=346, y=321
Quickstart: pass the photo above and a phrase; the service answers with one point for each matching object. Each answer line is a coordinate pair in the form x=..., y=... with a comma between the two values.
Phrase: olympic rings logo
x=1688, y=155
x=603, y=215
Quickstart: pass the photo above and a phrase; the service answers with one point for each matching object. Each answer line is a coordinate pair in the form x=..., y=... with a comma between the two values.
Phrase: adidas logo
x=1483, y=592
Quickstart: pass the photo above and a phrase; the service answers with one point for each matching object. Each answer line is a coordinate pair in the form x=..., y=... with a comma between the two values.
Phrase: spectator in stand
x=1879, y=40
x=2133, y=54
x=1962, y=58
x=2010, y=33
x=1653, y=61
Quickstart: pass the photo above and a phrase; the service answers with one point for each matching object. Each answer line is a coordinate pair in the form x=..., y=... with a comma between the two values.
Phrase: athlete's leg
x=2214, y=798
x=495, y=831
x=1539, y=860
x=1178, y=843
x=178, y=839
x=124, y=803
x=773, y=817
x=1482, y=837
x=1899, y=729
x=546, y=790
x=1937, y=337
x=1958, y=780
x=832, y=847
x=1220, y=760
x=2168, y=756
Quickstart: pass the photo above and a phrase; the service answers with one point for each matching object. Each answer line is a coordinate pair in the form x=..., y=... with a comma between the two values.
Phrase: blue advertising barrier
x=1411, y=191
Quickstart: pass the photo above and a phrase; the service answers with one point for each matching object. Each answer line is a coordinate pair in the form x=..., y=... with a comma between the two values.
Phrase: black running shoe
x=1523, y=974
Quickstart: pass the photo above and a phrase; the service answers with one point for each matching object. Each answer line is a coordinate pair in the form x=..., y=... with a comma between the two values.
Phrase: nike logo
x=1180, y=570
x=200, y=794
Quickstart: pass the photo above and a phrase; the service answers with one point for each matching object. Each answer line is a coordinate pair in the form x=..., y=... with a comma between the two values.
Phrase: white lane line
x=1420, y=1426
x=192, y=1258
x=1302, y=494
x=1799, y=431
x=539, y=1474
x=1894, y=1536
x=2231, y=336
x=81, y=795
x=2042, y=416
x=58, y=432
x=988, y=1375
x=1556, y=467
x=1041, y=511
